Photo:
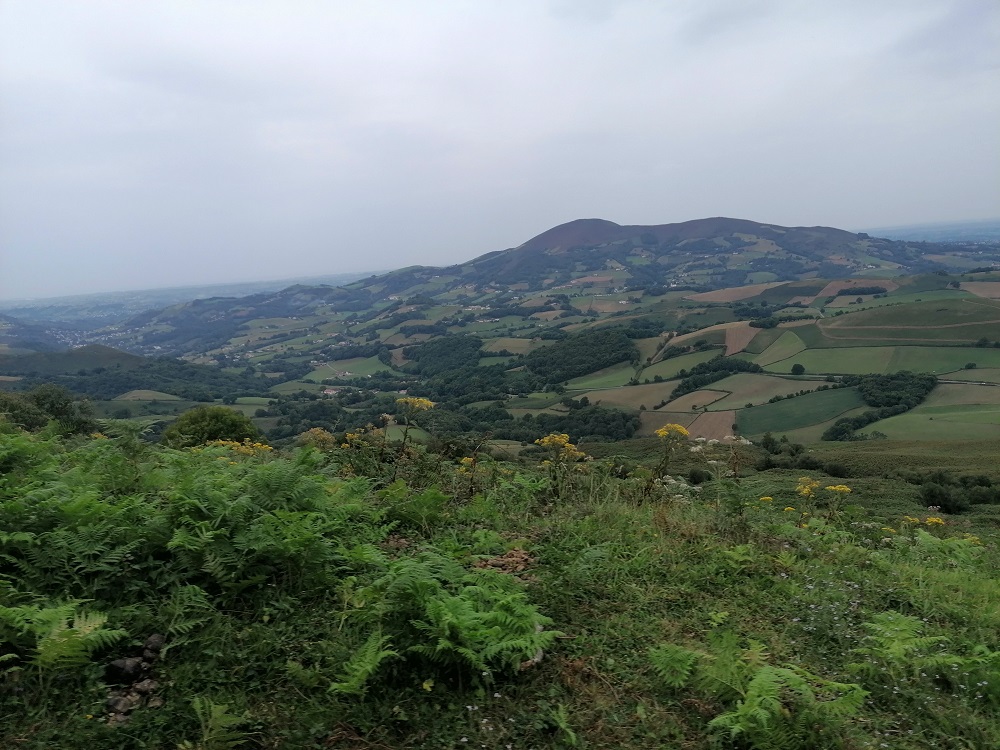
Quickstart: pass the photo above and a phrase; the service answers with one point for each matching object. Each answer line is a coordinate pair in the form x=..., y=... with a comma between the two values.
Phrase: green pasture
x=798, y=412
x=696, y=399
x=647, y=347
x=294, y=386
x=890, y=456
x=609, y=377
x=668, y=368
x=513, y=345
x=928, y=313
x=764, y=338
x=955, y=394
x=487, y=361
x=784, y=292
x=979, y=375
x=960, y=422
x=847, y=361
x=356, y=367
x=813, y=434
x=786, y=345
x=757, y=389
x=942, y=359
x=146, y=395
x=632, y=397
x=534, y=401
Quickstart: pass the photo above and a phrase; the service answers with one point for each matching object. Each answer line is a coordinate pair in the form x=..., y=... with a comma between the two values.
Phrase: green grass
x=668, y=368
x=979, y=374
x=764, y=339
x=942, y=423
x=144, y=395
x=345, y=369
x=658, y=608
x=752, y=388
x=855, y=361
x=798, y=412
x=609, y=377
x=787, y=345
x=942, y=359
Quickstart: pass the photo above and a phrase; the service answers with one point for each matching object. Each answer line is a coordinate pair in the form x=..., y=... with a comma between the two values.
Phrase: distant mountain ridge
x=698, y=255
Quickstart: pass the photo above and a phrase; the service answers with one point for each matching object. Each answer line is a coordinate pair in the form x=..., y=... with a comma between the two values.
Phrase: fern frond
x=673, y=664
x=365, y=662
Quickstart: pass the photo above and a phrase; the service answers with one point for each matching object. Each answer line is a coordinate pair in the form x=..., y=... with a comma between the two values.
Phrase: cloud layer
x=162, y=143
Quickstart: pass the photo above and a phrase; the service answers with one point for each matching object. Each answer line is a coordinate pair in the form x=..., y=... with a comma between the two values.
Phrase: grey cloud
x=165, y=143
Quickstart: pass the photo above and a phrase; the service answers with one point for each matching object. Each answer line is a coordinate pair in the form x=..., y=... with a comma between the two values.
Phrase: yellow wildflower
x=839, y=488
x=99, y=436
x=806, y=486
x=767, y=499
x=672, y=430
x=934, y=521
x=789, y=508
x=889, y=529
x=911, y=519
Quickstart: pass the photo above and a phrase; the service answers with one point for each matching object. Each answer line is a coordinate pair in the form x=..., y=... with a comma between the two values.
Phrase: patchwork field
x=942, y=359
x=739, y=336
x=148, y=396
x=979, y=375
x=947, y=320
x=715, y=334
x=987, y=289
x=713, y=425
x=954, y=394
x=651, y=421
x=668, y=368
x=696, y=400
x=787, y=345
x=969, y=422
x=764, y=339
x=845, y=361
x=347, y=368
x=513, y=345
x=751, y=388
x=798, y=412
x=608, y=377
x=733, y=294
x=633, y=397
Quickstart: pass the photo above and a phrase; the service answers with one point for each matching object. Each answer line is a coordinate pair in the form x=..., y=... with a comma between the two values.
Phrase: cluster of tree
x=706, y=373
x=587, y=422
x=900, y=388
x=891, y=394
x=773, y=322
x=46, y=403
x=851, y=291
x=352, y=351
x=956, y=494
x=581, y=354
x=447, y=353
x=780, y=453
x=206, y=423
x=189, y=381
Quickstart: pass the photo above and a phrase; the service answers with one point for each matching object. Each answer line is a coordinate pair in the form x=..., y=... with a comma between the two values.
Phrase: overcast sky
x=165, y=142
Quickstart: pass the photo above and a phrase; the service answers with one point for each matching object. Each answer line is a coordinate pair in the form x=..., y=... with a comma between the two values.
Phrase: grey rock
x=155, y=642
x=127, y=669
x=145, y=687
x=155, y=702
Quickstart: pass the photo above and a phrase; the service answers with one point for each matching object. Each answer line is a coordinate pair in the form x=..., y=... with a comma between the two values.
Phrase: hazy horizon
x=169, y=144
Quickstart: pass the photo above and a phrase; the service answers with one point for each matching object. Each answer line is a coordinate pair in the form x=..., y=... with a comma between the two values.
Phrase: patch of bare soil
x=713, y=424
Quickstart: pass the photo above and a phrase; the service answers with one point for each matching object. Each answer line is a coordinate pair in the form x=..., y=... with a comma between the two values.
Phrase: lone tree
x=204, y=424
x=798, y=369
